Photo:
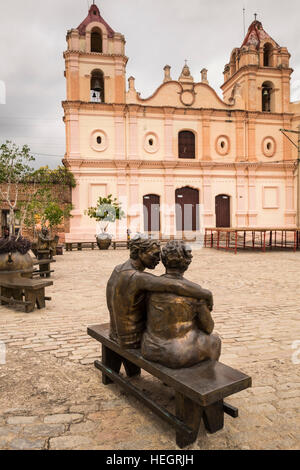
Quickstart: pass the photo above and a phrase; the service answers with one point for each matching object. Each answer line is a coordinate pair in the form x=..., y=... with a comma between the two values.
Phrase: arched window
x=97, y=87
x=186, y=144
x=96, y=41
x=267, y=54
x=267, y=97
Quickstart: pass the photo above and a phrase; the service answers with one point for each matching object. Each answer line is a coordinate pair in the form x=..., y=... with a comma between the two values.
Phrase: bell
x=265, y=92
x=97, y=85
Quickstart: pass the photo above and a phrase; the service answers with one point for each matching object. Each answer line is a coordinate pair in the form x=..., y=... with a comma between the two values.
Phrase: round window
x=222, y=145
x=268, y=147
x=151, y=143
x=99, y=140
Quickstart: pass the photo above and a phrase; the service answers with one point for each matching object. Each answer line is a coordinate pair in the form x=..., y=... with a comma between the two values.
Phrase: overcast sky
x=157, y=32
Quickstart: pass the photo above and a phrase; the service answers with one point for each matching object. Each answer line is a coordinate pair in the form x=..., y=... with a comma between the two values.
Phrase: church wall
x=93, y=126
x=236, y=144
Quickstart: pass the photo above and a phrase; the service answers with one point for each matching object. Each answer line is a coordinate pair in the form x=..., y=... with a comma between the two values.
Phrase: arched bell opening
x=268, y=104
x=96, y=40
x=97, y=87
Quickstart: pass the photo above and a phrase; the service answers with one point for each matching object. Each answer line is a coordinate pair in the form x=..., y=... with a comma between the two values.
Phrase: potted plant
x=15, y=172
x=107, y=210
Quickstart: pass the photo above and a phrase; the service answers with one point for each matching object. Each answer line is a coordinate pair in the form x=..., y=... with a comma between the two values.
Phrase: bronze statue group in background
x=168, y=316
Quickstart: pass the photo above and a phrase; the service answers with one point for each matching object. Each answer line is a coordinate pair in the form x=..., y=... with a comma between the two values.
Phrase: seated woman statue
x=178, y=332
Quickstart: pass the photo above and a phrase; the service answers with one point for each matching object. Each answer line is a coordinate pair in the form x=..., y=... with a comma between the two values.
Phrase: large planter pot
x=15, y=263
x=103, y=241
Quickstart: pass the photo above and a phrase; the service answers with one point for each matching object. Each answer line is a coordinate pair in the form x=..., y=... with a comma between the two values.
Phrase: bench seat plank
x=25, y=283
x=205, y=383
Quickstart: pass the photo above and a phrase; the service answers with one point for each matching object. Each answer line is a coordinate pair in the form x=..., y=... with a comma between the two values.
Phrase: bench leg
x=190, y=413
x=30, y=297
x=40, y=298
x=213, y=416
x=44, y=267
x=6, y=293
x=131, y=369
x=112, y=360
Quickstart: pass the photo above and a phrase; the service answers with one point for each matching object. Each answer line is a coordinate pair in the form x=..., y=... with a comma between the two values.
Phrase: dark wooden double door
x=222, y=210
x=187, y=209
x=151, y=203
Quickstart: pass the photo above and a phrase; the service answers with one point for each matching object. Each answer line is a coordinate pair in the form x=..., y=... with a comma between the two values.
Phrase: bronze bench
x=199, y=390
x=12, y=292
x=44, y=266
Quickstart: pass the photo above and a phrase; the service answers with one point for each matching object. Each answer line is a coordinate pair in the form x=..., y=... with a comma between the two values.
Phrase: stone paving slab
x=51, y=396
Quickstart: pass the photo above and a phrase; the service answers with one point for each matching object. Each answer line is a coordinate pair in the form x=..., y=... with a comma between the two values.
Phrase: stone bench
x=33, y=290
x=199, y=390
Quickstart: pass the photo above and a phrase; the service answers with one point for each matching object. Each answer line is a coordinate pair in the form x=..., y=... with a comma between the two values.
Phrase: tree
x=107, y=210
x=46, y=209
x=17, y=178
x=15, y=171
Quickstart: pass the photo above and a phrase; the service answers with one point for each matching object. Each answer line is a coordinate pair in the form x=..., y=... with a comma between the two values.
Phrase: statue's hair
x=141, y=242
x=173, y=253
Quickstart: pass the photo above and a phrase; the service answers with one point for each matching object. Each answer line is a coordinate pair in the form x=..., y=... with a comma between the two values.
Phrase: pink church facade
x=182, y=159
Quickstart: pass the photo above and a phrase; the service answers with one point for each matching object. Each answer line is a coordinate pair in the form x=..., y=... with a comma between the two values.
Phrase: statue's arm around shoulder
x=149, y=282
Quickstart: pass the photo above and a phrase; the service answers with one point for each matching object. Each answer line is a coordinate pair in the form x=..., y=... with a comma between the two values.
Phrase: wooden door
x=222, y=210
x=187, y=209
x=151, y=204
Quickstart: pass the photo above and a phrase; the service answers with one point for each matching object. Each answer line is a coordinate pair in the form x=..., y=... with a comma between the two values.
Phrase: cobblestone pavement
x=51, y=396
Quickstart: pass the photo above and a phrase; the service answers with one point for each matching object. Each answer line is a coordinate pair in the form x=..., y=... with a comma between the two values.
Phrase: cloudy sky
x=158, y=32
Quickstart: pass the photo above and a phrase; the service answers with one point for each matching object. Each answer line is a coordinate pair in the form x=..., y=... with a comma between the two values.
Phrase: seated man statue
x=128, y=287
x=179, y=328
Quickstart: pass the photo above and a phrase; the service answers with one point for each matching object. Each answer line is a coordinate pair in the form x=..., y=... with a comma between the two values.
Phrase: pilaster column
x=287, y=147
x=168, y=213
x=252, y=92
x=133, y=133
x=208, y=203
x=108, y=92
x=252, y=207
x=290, y=212
x=252, y=138
x=135, y=212
x=72, y=124
x=206, y=147
x=121, y=225
x=72, y=76
x=241, y=196
x=120, y=149
x=240, y=136
x=168, y=125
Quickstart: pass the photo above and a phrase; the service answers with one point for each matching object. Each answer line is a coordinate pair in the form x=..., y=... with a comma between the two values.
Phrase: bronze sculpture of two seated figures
x=168, y=316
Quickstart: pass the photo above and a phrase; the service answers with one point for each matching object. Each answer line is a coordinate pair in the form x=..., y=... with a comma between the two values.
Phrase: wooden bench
x=44, y=267
x=120, y=243
x=80, y=245
x=199, y=390
x=33, y=290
